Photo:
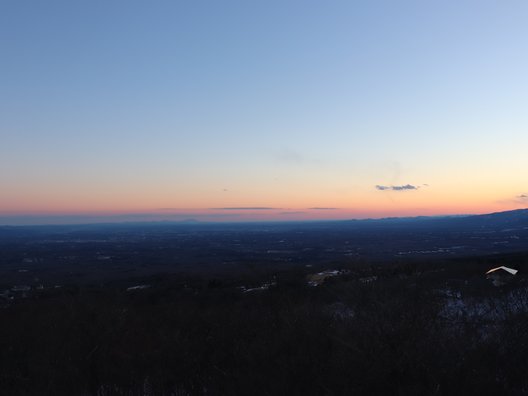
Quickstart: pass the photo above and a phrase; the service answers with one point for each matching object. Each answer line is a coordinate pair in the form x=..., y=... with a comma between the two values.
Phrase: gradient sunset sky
x=261, y=110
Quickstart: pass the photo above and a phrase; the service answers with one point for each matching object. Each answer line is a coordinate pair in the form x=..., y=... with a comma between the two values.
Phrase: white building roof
x=502, y=267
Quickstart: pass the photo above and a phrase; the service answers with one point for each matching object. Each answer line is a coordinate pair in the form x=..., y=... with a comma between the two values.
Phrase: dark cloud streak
x=247, y=208
x=404, y=187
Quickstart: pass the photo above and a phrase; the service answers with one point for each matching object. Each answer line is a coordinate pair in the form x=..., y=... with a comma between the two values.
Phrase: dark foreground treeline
x=409, y=332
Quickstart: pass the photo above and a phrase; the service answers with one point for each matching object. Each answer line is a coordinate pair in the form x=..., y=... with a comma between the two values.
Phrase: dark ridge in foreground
x=411, y=328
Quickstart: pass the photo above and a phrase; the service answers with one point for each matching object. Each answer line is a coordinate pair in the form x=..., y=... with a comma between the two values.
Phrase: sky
x=228, y=110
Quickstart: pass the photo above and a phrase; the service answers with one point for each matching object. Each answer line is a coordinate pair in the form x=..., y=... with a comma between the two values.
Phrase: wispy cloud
x=247, y=208
x=404, y=187
x=293, y=157
x=521, y=199
x=290, y=156
x=292, y=213
x=322, y=208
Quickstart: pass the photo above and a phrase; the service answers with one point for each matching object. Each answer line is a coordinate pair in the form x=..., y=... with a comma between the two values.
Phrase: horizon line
x=192, y=221
x=71, y=219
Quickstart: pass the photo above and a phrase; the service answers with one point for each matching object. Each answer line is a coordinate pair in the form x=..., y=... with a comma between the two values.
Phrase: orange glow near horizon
x=285, y=204
x=240, y=214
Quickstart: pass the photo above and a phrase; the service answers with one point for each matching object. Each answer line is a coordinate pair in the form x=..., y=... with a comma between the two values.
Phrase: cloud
x=290, y=156
x=521, y=199
x=397, y=188
x=322, y=208
x=292, y=213
x=247, y=208
x=405, y=187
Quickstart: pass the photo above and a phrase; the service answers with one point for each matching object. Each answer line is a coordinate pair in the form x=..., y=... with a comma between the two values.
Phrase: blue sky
x=132, y=106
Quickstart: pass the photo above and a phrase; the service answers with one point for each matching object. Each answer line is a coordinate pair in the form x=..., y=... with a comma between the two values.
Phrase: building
x=501, y=275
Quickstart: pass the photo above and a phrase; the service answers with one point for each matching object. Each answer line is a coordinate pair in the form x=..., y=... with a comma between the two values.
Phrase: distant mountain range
x=294, y=242
x=512, y=218
x=508, y=219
